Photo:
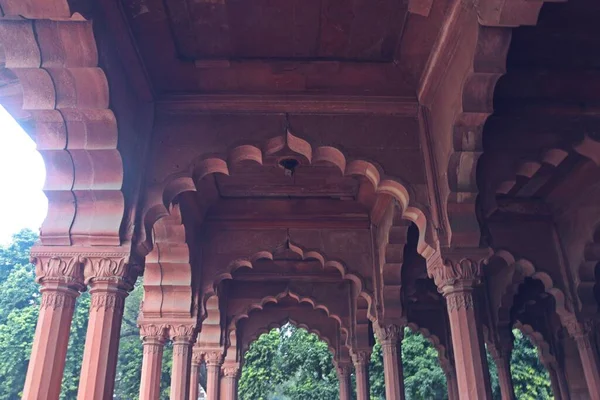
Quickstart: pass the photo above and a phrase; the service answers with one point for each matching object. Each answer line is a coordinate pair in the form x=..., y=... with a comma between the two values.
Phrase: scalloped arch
x=538, y=341
x=524, y=268
x=161, y=195
x=445, y=362
x=259, y=306
x=297, y=324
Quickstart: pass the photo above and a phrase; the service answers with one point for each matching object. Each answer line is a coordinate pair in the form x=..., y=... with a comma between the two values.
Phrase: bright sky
x=22, y=175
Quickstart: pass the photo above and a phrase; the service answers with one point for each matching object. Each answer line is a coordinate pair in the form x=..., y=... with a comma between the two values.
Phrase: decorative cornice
x=275, y=103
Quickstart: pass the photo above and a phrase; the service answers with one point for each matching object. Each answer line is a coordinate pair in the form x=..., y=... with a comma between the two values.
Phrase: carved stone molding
x=459, y=301
x=108, y=301
x=344, y=370
x=389, y=334
x=360, y=357
x=153, y=334
x=56, y=300
x=581, y=332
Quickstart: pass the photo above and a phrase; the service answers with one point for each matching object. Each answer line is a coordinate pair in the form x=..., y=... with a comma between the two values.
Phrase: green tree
x=530, y=378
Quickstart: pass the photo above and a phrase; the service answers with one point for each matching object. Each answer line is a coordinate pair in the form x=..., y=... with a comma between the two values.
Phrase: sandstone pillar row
x=344, y=371
x=456, y=279
x=361, y=359
x=110, y=281
x=390, y=337
x=181, y=335
x=582, y=333
x=153, y=341
x=231, y=374
x=197, y=359
x=61, y=279
x=214, y=360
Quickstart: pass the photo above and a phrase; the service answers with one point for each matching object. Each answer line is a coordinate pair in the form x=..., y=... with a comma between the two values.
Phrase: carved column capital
x=389, y=334
x=197, y=356
x=181, y=332
x=112, y=269
x=360, y=357
x=231, y=371
x=55, y=269
x=580, y=331
x=153, y=333
x=344, y=369
x=213, y=357
x=458, y=270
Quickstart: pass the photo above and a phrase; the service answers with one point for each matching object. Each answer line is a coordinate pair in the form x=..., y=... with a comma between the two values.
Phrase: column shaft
x=214, y=359
x=230, y=376
x=180, y=373
x=153, y=342
x=471, y=367
x=451, y=384
x=390, y=337
x=360, y=359
x=194, y=380
x=504, y=377
x=47, y=363
x=590, y=364
x=99, y=366
x=344, y=381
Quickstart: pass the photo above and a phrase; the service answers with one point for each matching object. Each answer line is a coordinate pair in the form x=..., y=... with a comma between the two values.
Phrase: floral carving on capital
x=197, y=356
x=57, y=300
x=344, y=370
x=459, y=301
x=59, y=269
x=231, y=371
x=458, y=270
x=111, y=269
x=360, y=357
x=181, y=332
x=213, y=357
x=153, y=332
x=389, y=333
x=580, y=331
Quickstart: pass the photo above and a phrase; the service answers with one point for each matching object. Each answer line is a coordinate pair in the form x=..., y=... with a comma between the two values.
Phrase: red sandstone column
x=390, y=337
x=456, y=279
x=109, y=283
x=197, y=358
x=213, y=359
x=153, y=341
x=581, y=332
x=451, y=384
x=181, y=336
x=501, y=358
x=557, y=381
x=361, y=359
x=344, y=371
x=230, y=376
x=61, y=281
